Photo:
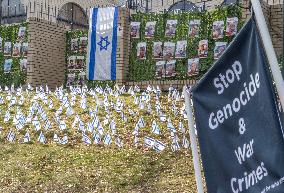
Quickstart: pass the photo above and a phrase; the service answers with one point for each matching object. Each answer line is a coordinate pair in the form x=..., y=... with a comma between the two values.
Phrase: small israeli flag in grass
x=7, y=116
x=86, y=139
x=101, y=59
x=62, y=125
x=155, y=128
x=64, y=140
x=171, y=127
x=118, y=142
x=163, y=117
x=149, y=142
x=97, y=138
x=175, y=147
x=185, y=142
x=159, y=146
x=107, y=139
x=41, y=138
x=181, y=127
x=141, y=123
x=27, y=138
x=56, y=138
x=11, y=137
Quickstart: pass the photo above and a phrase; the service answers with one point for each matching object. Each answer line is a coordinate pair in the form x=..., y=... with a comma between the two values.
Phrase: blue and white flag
x=101, y=59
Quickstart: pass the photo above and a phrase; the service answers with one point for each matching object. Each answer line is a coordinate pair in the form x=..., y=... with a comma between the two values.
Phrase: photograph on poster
x=80, y=62
x=181, y=49
x=83, y=43
x=218, y=30
x=169, y=50
x=170, y=68
x=22, y=33
x=193, y=67
x=158, y=50
x=25, y=49
x=135, y=29
x=219, y=49
x=141, y=50
x=232, y=26
x=17, y=50
x=160, y=69
x=193, y=30
x=8, y=65
x=7, y=48
x=71, y=63
x=150, y=29
x=70, y=79
x=74, y=45
x=203, y=49
x=171, y=28
x=81, y=78
x=23, y=64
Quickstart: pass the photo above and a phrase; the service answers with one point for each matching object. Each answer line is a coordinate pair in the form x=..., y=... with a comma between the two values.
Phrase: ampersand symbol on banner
x=242, y=126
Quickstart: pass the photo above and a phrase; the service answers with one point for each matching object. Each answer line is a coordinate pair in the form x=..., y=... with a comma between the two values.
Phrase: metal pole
x=268, y=46
x=0, y=12
x=193, y=143
x=282, y=39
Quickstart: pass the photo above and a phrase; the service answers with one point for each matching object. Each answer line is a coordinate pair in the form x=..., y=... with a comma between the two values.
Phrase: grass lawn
x=54, y=168
x=76, y=167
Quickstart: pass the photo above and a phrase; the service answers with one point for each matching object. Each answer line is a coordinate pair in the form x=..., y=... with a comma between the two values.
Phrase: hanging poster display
x=219, y=49
x=17, y=50
x=141, y=50
x=171, y=28
x=193, y=66
x=193, y=30
x=8, y=65
x=232, y=26
x=158, y=50
x=203, y=49
x=25, y=49
x=181, y=49
x=170, y=68
x=80, y=63
x=74, y=45
x=22, y=33
x=83, y=44
x=218, y=30
x=7, y=48
x=169, y=50
x=135, y=29
x=150, y=29
x=160, y=69
x=71, y=62
x=23, y=64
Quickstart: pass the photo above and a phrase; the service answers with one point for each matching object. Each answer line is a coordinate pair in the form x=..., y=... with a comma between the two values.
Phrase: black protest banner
x=237, y=120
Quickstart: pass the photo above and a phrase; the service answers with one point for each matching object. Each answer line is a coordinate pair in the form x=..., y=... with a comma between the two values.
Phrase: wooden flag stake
x=193, y=143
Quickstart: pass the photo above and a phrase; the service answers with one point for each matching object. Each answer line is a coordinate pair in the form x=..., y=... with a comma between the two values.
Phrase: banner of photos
x=14, y=51
x=179, y=48
x=76, y=62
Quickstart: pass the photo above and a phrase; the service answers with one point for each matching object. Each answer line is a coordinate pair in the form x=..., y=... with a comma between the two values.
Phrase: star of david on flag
x=103, y=43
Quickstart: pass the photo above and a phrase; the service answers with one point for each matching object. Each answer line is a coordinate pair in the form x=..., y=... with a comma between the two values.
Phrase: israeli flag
x=101, y=59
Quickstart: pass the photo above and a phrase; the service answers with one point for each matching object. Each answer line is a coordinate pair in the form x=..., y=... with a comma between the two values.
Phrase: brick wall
x=123, y=48
x=47, y=45
x=273, y=14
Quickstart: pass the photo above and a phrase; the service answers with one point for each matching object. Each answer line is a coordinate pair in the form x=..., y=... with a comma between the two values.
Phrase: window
x=73, y=15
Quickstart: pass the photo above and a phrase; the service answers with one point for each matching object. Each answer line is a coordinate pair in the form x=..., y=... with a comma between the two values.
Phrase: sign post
x=193, y=142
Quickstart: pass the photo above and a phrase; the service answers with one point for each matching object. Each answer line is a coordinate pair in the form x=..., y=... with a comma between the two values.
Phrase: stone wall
x=47, y=45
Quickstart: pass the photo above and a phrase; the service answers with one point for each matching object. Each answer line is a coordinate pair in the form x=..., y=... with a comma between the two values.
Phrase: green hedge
x=140, y=70
x=16, y=77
